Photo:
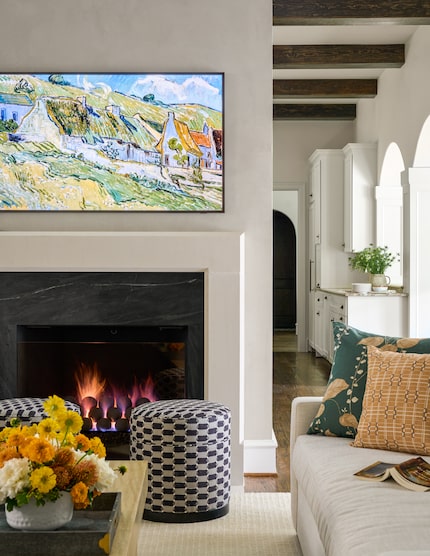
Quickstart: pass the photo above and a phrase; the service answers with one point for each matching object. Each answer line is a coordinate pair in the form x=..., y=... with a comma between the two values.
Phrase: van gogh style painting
x=117, y=142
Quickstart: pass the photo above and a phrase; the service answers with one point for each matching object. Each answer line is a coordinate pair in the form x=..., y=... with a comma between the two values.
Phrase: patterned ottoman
x=187, y=446
x=28, y=410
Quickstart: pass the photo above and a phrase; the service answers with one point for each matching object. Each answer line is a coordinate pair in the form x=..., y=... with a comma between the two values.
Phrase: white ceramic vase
x=49, y=517
x=380, y=280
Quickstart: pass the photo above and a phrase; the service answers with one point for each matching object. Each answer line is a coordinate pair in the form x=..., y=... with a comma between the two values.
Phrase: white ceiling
x=337, y=34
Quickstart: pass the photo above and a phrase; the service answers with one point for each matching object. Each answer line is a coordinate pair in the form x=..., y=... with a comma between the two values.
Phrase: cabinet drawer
x=338, y=305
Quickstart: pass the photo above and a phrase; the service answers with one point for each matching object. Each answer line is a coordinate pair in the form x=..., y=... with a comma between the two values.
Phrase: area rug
x=258, y=524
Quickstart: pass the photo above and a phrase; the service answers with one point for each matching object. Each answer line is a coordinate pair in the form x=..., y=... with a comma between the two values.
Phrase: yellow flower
x=97, y=447
x=68, y=440
x=54, y=405
x=48, y=428
x=43, y=479
x=79, y=495
x=38, y=450
x=70, y=421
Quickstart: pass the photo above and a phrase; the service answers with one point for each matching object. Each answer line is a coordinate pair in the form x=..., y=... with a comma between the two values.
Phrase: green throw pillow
x=340, y=410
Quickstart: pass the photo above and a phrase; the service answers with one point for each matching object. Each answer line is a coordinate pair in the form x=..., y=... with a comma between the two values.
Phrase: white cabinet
x=328, y=262
x=320, y=344
x=359, y=195
x=384, y=314
x=337, y=312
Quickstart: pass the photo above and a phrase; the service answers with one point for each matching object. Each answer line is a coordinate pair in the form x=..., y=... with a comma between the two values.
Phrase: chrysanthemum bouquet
x=42, y=461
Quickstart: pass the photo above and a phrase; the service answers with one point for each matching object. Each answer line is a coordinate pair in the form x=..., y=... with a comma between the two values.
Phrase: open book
x=413, y=473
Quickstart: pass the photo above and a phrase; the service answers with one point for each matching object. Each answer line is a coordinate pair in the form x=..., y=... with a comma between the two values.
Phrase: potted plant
x=375, y=261
x=48, y=469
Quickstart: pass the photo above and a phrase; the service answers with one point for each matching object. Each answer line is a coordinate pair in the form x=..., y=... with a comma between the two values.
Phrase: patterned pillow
x=396, y=403
x=340, y=410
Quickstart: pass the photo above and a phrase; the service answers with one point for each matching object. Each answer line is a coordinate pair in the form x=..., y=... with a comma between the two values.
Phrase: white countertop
x=348, y=292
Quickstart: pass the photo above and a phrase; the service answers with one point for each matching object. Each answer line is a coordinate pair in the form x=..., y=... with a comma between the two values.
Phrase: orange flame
x=89, y=382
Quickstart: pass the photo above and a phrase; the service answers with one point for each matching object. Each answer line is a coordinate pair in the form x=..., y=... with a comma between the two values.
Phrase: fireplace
x=209, y=260
x=107, y=370
x=116, y=316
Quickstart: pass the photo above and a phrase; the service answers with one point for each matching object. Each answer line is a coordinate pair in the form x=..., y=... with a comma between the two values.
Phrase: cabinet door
x=320, y=347
x=315, y=203
x=337, y=312
x=359, y=196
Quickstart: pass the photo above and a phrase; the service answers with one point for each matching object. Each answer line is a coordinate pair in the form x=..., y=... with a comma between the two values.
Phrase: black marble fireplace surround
x=121, y=299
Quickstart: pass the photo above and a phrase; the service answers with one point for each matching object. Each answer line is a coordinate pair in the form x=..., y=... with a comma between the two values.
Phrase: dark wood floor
x=294, y=374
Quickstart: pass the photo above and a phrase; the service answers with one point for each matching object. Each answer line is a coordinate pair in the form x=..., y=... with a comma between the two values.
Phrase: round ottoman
x=27, y=410
x=187, y=446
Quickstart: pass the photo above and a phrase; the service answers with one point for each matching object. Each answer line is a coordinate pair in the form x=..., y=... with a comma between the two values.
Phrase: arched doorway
x=284, y=272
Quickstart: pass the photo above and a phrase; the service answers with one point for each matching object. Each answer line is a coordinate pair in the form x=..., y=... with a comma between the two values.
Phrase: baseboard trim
x=260, y=457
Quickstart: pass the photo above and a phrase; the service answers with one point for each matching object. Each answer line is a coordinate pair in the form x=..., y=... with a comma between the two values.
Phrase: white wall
x=401, y=106
x=294, y=142
x=186, y=36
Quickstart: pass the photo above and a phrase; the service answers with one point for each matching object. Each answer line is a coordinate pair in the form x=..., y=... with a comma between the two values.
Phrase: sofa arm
x=303, y=410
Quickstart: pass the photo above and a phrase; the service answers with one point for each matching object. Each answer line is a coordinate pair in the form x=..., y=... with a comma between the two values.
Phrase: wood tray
x=90, y=533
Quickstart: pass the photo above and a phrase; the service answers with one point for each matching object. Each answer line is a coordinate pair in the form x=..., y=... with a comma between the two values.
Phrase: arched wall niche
x=389, y=208
x=392, y=167
x=422, y=151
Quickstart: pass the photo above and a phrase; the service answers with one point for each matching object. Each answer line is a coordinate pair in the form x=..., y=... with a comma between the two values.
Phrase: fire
x=105, y=406
x=89, y=384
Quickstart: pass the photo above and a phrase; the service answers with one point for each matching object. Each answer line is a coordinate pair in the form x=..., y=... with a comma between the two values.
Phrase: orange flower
x=64, y=457
x=79, y=495
x=39, y=450
x=63, y=475
x=8, y=453
x=16, y=437
x=82, y=442
x=85, y=472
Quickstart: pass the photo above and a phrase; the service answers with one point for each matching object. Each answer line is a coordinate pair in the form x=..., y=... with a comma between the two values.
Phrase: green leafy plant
x=374, y=260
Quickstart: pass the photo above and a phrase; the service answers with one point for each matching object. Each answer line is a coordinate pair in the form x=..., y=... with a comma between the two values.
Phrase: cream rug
x=258, y=524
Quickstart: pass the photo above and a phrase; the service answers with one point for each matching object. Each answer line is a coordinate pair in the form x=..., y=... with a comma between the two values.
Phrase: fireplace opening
x=107, y=370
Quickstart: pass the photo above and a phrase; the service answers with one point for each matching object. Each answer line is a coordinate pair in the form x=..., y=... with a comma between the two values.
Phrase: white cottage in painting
x=14, y=107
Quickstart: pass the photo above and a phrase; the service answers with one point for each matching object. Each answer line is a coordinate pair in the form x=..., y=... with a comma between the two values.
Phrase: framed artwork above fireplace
x=112, y=142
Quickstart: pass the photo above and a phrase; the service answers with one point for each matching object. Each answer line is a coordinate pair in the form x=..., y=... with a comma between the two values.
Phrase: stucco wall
x=187, y=36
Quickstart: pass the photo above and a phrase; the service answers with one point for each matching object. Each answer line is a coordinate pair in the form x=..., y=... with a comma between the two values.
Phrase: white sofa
x=336, y=514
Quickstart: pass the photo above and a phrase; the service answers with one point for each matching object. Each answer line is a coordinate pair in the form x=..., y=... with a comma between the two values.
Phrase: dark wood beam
x=338, y=56
x=314, y=111
x=347, y=12
x=324, y=88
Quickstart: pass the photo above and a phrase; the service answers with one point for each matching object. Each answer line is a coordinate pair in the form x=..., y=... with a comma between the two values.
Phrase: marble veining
x=102, y=298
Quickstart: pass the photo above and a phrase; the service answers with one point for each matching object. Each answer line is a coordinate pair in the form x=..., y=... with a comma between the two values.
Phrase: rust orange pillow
x=396, y=403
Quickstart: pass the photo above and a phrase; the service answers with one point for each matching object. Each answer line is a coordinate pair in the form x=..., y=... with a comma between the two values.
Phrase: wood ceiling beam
x=338, y=56
x=347, y=12
x=314, y=111
x=324, y=88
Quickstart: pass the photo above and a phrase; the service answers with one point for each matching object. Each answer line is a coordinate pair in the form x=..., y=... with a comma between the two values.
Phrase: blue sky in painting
x=205, y=89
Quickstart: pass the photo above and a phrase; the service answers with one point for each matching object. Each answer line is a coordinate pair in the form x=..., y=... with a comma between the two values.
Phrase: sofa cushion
x=396, y=403
x=340, y=410
x=356, y=517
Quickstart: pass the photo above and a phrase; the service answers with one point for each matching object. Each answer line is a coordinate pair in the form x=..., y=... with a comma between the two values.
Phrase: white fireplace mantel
x=218, y=254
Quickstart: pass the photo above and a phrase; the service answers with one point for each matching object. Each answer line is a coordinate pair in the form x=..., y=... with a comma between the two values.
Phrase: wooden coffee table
x=133, y=487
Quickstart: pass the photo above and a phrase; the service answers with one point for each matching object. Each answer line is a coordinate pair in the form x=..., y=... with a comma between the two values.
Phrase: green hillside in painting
x=99, y=149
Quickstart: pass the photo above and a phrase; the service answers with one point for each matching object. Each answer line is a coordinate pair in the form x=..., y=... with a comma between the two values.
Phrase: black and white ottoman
x=187, y=446
x=27, y=410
